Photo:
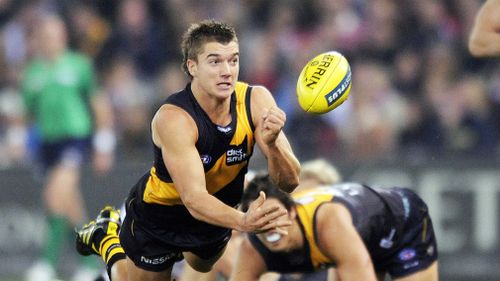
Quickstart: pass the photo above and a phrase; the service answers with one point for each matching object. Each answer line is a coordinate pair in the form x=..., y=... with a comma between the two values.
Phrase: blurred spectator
x=418, y=47
x=138, y=36
x=171, y=80
x=131, y=99
x=481, y=116
x=376, y=117
x=89, y=29
x=13, y=133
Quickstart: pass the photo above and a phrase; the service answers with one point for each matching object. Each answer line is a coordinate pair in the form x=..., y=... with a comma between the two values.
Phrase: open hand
x=261, y=217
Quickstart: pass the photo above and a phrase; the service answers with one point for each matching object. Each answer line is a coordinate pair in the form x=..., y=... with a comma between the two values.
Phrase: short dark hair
x=201, y=33
x=262, y=182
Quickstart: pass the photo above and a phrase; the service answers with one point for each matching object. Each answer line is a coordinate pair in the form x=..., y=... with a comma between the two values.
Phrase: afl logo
x=206, y=159
x=407, y=254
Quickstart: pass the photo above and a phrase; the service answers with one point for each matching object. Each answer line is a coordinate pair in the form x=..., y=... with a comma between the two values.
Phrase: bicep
x=175, y=133
x=249, y=264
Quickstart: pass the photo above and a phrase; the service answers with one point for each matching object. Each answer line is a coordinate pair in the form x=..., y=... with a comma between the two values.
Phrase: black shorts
x=156, y=248
x=417, y=248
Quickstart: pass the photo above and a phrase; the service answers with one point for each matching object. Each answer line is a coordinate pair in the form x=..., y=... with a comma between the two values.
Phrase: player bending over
x=364, y=232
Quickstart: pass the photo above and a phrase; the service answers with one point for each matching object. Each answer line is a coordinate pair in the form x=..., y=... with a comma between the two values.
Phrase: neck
x=218, y=110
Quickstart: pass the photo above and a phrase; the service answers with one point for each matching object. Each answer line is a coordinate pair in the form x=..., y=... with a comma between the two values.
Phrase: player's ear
x=192, y=67
x=292, y=213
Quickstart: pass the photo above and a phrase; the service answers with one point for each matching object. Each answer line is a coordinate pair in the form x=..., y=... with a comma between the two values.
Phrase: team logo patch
x=407, y=254
x=206, y=159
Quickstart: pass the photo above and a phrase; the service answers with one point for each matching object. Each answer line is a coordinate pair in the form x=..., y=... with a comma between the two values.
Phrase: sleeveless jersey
x=224, y=152
x=378, y=216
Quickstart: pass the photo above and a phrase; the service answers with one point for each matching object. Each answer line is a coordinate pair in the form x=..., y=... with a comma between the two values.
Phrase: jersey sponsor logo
x=236, y=154
x=205, y=159
x=407, y=254
x=157, y=260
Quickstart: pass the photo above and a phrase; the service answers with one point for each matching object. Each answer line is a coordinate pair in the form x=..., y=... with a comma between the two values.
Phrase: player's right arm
x=175, y=132
x=484, y=39
x=249, y=265
x=339, y=240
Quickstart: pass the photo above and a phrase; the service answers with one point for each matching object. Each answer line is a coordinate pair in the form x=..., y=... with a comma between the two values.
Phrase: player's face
x=275, y=240
x=217, y=68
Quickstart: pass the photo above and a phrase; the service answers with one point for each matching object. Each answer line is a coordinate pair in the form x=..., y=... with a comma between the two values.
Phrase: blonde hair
x=320, y=171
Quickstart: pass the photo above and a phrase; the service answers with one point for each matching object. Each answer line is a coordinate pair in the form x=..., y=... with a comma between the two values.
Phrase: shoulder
x=261, y=94
x=169, y=114
x=332, y=214
x=261, y=99
x=173, y=124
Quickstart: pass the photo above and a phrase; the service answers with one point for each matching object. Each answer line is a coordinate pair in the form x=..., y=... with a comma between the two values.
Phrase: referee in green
x=60, y=95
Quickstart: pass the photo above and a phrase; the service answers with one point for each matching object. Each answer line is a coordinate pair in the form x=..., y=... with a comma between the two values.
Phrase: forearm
x=356, y=274
x=361, y=269
x=283, y=167
x=205, y=207
x=104, y=135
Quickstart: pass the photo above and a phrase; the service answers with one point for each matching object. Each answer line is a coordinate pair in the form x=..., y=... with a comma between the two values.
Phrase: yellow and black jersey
x=378, y=216
x=224, y=153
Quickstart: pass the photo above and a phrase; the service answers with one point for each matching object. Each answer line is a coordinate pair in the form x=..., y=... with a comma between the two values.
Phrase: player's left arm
x=339, y=240
x=104, y=140
x=249, y=265
x=484, y=39
x=269, y=120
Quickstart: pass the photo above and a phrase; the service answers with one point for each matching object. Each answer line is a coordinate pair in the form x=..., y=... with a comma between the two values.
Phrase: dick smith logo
x=236, y=153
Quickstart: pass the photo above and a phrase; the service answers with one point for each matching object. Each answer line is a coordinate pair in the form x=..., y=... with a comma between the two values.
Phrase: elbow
x=289, y=183
x=190, y=202
x=293, y=183
x=293, y=180
x=476, y=49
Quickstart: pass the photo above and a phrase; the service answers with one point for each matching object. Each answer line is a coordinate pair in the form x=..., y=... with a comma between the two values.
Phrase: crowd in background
x=417, y=92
